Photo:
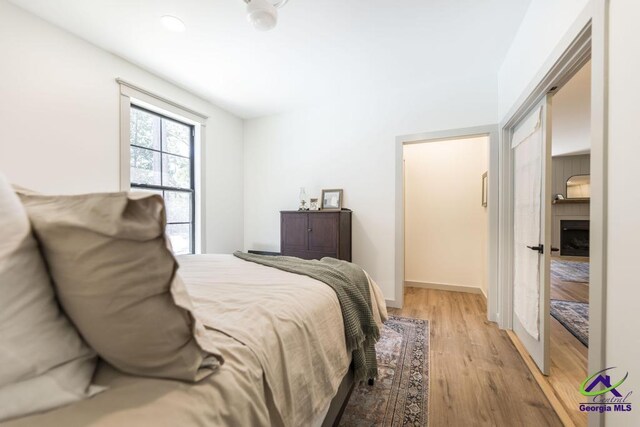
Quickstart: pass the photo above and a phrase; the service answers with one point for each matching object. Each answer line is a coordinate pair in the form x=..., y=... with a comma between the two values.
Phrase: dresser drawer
x=323, y=232
x=294, y=232
x=316, y=234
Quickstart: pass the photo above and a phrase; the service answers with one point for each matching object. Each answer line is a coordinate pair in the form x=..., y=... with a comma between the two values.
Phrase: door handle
x=554, y=249
x=539, y=248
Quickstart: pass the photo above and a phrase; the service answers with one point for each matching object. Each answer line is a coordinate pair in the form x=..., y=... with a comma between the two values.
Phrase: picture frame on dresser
x=313, y=204
x=332, y=200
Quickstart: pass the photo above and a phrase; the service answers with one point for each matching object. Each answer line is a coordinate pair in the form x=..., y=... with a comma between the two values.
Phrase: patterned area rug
x=574, y=316
x=400, y=395
x=570, y=271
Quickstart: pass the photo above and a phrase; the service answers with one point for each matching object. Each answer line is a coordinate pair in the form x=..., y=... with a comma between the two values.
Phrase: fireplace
x=574, y=237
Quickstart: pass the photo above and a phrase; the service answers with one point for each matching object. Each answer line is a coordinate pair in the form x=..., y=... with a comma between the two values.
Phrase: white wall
x=571, y=115
x=542, y=28
x=623, y=290
x=59, y=121
x=445, y=222
x=351, y=145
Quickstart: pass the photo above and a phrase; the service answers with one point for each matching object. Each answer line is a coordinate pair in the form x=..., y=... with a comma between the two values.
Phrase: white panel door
x=531, y=145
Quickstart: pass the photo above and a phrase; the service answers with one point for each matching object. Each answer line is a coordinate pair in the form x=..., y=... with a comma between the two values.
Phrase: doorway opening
x=491, y=184
x=570, y=232
x=583, y=44
x=446, y=216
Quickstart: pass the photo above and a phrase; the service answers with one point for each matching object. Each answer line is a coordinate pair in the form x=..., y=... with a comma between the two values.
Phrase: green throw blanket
x=352, y=288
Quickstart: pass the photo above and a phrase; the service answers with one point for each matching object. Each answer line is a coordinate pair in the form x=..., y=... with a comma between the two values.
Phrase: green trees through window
x=162, y=163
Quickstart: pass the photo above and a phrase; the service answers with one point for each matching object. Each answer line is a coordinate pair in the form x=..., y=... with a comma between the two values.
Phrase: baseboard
x=443, y=287
x=251, y=251
x=542, y=381
x=392, y=303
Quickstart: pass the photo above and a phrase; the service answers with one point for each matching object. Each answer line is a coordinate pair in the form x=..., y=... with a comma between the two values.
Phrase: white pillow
x=43, y=361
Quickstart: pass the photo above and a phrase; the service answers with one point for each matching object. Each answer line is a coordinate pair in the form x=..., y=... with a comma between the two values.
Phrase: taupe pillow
x=116, y=279
x=43, y=361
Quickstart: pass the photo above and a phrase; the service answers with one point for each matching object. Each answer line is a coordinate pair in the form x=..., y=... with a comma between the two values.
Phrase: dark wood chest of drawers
x=316, y=234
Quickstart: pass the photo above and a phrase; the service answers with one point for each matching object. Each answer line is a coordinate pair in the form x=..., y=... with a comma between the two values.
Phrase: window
x=161, y=144
x=162, y=162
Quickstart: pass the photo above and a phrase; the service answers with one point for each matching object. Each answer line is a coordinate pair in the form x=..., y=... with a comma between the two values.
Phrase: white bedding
x=291, y=322
x=269, y=325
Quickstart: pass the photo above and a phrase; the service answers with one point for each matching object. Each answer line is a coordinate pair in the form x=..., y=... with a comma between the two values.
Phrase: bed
x=282, y=339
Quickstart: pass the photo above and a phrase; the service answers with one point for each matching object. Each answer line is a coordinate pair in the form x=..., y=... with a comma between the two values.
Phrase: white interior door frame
x=491, y=131
x=586, y=39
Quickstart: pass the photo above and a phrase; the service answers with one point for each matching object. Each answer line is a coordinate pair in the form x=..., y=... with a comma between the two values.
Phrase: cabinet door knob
x=309, y=230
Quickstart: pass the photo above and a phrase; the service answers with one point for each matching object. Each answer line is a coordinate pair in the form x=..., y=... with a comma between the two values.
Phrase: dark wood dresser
x=316, y=234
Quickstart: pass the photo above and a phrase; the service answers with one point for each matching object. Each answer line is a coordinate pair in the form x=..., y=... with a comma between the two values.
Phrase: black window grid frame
x=191, y=190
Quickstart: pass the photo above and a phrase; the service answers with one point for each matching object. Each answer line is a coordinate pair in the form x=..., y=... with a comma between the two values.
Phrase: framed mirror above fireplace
x=579, y=187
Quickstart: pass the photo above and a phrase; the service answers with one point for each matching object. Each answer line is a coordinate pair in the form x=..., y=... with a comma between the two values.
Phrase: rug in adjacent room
x=574, y=316
x=400, y=395
x=570, y=271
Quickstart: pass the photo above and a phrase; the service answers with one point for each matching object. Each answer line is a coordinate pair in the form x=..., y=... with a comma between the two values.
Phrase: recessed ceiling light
x=173, y=24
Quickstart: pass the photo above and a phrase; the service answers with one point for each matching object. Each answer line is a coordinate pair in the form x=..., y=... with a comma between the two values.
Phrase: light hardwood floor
x=477, y=376
x=568, y=355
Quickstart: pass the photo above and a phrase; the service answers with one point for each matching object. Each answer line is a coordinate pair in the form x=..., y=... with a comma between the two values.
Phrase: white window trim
x=131, y=94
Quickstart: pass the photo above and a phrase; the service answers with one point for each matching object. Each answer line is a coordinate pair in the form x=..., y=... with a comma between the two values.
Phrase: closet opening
x=446, y=218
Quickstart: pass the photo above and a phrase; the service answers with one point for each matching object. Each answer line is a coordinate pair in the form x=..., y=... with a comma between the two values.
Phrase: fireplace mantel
x=570, y=201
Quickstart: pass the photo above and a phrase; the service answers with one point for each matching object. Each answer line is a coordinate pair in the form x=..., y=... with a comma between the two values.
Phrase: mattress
x=282, y=339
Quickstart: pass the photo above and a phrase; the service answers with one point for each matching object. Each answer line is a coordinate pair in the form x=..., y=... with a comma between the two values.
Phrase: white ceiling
x=321, y=49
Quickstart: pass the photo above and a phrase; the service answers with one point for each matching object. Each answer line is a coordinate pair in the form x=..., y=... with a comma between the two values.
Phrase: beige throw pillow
x=116, y=280
x=43, y=361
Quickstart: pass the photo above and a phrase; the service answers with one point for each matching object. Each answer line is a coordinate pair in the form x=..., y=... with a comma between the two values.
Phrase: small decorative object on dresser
x=313, y=204
x=303, y=200
x=314, y=235
x=332, y=200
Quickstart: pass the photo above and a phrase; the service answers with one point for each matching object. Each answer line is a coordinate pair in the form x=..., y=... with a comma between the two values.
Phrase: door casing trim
x=491, y=131
x=587, y=39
